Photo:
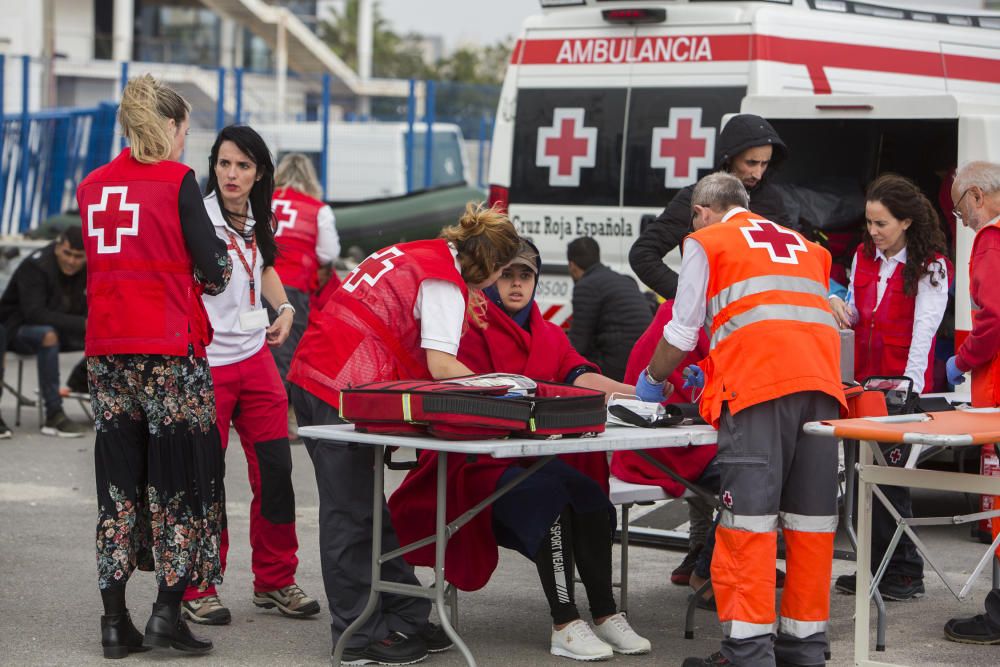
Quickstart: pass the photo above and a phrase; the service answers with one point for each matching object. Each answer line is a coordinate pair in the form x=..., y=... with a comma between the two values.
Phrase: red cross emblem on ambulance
x=108, y=223
x=285, y=215
x=566, y=147
x=781, y=244
x=683, y=147
x=374, y=267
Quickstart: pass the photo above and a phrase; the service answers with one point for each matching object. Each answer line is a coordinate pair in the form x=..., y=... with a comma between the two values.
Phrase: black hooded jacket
x=669, y=228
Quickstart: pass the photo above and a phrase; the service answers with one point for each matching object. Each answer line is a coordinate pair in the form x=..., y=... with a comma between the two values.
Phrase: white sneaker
x=578, y=641
x=617, y=633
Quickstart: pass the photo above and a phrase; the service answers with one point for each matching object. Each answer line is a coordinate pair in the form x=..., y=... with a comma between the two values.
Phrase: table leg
x=440, y=545
x=864, y=576
x=378, y=486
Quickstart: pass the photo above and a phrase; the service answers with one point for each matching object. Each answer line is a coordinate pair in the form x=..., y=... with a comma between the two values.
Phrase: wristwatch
x=286, y=306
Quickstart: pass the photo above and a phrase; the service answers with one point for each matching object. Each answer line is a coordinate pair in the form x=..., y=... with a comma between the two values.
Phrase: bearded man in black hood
x=746, y=148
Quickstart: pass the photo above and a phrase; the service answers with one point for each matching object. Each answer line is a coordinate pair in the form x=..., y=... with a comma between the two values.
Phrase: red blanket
x=502, y=347
x=688, y=462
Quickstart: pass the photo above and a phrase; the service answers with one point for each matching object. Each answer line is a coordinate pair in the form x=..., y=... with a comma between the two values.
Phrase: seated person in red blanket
x=559, y=517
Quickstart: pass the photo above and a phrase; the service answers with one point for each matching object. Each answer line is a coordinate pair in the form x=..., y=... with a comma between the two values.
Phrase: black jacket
x=40, y=293
x=669, y=228
x=609, y=315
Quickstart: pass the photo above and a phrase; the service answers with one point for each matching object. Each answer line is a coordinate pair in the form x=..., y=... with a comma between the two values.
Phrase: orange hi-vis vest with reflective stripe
x=986, y=378
x=771, y=329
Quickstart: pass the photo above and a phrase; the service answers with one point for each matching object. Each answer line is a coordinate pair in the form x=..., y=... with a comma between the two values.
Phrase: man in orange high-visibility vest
x=773, y=365
x=976, y=193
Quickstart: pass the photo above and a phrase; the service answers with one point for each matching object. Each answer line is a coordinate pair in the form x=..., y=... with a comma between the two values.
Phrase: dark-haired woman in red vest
x=151, y=253
x=895, y=302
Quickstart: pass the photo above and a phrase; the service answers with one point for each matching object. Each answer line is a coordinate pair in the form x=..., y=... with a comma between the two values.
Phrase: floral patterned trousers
x=159, y=468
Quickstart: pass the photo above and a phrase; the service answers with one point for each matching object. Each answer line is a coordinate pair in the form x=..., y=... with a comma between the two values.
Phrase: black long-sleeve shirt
x=212, y=264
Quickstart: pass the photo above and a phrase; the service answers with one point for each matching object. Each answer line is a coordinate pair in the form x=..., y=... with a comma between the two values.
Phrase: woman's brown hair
x=485, y=239
x=145, y=108
x=924, y=237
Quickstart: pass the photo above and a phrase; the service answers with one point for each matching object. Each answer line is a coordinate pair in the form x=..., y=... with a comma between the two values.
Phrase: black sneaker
x=975, y=630
x=714, y=660
x=5, y=432
x=681, y=576
x=435, y=637
x=846, y=584
x=897, y=587
x=59, y=425
x=396, y=649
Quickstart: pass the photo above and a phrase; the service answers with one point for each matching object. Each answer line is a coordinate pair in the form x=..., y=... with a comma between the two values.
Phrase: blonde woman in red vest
x=307, y=241
x=773, y=365
x=151, y=253
x=896, y=299
x=248, y=392
x=398, y=315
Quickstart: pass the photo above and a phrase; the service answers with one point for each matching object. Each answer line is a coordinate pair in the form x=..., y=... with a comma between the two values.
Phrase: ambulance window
x=671, y=139
x=569, y=147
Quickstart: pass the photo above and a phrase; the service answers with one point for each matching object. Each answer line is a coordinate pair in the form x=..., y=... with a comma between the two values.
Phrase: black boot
x=119, y=636
x=166, y=629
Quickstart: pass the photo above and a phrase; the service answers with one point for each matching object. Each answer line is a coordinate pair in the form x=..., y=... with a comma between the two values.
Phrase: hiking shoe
x=61, y=426
x=435, y=637
x=681, y=575
x=207, y=611
x=578, y=641
x=619, y=635
x=396, y=649
x=975, y=630
x=846, y=584
x=5, y=432
x=290, y=601
x=714, y=660
x=893, y=587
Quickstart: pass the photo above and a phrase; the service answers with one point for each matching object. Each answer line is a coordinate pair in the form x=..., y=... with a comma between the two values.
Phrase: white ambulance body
x=601, y=122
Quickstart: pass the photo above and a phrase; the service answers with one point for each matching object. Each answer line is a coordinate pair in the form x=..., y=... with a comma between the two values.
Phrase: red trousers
x=250, y=394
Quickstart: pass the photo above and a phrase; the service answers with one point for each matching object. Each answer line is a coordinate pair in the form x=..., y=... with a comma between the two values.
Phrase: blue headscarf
x=525, y=254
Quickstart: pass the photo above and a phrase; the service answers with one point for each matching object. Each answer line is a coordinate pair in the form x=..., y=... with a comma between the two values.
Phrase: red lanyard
x=249, y=267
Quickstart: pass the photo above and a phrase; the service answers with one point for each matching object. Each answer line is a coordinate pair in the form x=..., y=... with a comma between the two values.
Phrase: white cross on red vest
x=683, y=147
x=285, y=215
x=108, y=223
x=566, y=147
x=374, y=267
x=781, y=244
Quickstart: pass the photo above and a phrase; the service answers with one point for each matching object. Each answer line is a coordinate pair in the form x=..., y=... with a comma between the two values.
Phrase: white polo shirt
x=231, y=344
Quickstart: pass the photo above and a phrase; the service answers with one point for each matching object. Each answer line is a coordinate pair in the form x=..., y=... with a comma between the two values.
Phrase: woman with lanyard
x=895, y=302
x=398, y=315
x=248, y=390
x=156, y=457
x=557, y=517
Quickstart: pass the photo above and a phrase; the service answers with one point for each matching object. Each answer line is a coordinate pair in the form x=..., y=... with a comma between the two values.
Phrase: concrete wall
x=74, y=22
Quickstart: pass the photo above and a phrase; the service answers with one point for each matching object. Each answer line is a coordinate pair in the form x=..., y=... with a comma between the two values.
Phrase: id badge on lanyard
x=255, y=318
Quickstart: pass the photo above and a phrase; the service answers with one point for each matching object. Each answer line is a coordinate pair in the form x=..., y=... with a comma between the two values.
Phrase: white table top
x=615, y=438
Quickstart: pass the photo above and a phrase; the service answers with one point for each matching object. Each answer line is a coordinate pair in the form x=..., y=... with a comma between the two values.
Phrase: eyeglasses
x=955, y=212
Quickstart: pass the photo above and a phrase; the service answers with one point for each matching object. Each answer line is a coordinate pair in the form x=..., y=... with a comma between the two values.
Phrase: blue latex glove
x=955, y=376
x=648, y=391
x=694, y=377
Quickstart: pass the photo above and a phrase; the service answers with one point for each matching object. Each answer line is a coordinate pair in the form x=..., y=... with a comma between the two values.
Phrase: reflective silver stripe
x=809, y=524
x=768, y=312
x=745, y=630
x=800, y=629
x=760, y=284
x=763, y=523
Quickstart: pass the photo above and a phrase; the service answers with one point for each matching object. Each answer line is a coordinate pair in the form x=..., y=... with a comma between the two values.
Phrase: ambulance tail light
x=635, y=15
x=499, y=197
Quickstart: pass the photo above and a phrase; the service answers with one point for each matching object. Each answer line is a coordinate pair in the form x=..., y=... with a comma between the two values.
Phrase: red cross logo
x=895, y=455
x=285, y=214
x=374, y=267
x=781, y=244
x=727, y=499
x=566, y=147
x=683, y=147
x=122, y=220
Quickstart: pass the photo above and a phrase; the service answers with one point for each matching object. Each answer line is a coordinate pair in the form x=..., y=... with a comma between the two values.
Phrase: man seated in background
x=44, y=310
x=609, y=312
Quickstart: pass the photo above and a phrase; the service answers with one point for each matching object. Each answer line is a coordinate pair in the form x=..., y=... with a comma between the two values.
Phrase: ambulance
x=609, y=107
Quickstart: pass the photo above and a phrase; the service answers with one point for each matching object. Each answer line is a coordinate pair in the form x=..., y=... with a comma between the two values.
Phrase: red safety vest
x=142, y=297
x=883, y=334
x=986, y=378
x=296, y=215
x=366, y=332
x=771, y=330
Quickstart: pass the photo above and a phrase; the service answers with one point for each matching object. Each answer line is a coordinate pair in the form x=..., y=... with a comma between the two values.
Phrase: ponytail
x=145, y=108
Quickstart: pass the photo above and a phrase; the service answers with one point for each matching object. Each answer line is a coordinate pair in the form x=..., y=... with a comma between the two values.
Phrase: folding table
x=613, y=439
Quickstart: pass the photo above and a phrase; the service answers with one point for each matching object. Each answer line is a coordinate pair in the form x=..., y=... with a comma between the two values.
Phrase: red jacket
x=688, y=462
x=297, y=217
x=141, y=292
x=979, y=351
x=366, y=332
x=504, y=347
x=883, y=334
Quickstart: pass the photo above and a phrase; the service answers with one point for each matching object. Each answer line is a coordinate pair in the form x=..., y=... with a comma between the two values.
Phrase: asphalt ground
x=50, y=607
